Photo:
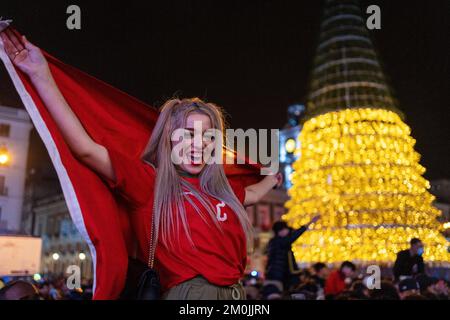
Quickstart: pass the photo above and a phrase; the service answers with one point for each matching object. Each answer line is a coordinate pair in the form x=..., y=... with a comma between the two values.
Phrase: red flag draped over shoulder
x=118, y=121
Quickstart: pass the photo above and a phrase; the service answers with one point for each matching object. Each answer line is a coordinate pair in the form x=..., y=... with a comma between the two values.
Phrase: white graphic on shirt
x=221, y=217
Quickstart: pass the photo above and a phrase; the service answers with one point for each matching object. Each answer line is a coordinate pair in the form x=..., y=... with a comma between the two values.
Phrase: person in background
x=303, y=276
x=280, y=256
x=360, y=291
x=321, y=273
x=19, y=290
x=409, y=262
x=432, y=288
x=387, y=292
x=407, y=288
x=441, y=290
x=340, y=279
x=57, y=291
x=305, y=291
x=44, y=289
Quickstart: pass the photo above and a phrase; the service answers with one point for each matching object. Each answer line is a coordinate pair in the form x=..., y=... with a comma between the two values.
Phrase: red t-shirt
x=335, y=283
x=218, y=257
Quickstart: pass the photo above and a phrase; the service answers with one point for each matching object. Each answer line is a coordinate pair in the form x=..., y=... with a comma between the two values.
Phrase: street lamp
x=290, y=145
x=5, y=156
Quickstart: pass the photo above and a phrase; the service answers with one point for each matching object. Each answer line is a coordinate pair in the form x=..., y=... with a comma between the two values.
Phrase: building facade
x=62, y=244
x=15, y=127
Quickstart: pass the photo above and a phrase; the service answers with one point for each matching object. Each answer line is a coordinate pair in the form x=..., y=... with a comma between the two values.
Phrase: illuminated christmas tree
x=357, y=164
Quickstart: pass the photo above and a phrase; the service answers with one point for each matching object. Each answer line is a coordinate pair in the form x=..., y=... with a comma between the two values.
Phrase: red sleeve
x=135, y=178
x=239, y=189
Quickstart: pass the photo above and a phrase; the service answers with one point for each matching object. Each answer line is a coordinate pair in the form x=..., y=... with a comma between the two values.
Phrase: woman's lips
x=196, y=164
x=196, y=159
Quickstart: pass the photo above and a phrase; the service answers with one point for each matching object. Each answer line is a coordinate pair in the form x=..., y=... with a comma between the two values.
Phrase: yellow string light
x=359, y=170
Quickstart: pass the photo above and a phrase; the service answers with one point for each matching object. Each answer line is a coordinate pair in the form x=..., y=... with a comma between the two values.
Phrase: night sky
x=251, y=57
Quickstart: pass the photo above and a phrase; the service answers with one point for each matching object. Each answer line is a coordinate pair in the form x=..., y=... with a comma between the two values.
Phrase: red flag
x=118, y=121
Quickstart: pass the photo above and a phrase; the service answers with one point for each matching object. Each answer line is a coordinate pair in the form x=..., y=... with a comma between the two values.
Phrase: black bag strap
x=153, y=236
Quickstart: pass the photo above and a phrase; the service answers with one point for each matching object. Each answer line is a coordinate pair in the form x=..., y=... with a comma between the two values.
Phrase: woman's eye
x=209, y=137
x=187, y=134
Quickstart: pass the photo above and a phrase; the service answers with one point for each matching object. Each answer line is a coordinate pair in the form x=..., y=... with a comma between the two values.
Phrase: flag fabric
x=118, y=121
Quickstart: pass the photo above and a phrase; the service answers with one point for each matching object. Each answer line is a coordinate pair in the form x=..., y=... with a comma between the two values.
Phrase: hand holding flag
x=26, y=56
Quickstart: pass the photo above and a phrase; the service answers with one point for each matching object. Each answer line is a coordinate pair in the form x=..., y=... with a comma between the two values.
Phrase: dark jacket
x=278, y=251
x=404, y=265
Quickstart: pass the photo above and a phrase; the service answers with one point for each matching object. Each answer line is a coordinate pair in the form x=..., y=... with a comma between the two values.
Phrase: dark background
x=251, y=57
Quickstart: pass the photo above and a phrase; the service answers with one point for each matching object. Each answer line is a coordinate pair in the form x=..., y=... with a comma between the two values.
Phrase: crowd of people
x=48, y=288
x=283, y=279
x=316, y=283
x=322, y=283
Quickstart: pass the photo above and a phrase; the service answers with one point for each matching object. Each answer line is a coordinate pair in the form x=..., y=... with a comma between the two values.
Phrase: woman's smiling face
x=194, y=143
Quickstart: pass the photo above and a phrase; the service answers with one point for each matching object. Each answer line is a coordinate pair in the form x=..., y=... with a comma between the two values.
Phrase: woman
x=203, y=229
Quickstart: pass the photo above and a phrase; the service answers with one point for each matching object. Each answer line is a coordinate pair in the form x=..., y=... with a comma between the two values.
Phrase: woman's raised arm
x=29, y=59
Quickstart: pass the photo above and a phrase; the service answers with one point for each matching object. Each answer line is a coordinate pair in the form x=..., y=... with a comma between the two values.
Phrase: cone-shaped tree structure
x=357, y=164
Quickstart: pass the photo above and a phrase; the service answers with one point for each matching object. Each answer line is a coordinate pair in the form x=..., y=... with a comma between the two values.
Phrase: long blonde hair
x=169, y=211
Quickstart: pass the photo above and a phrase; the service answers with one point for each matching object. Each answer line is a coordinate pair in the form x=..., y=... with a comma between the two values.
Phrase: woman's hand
x=278, y=180
x=26, y=56
x=313, y=220
x=274, y=178
x=256, y=192
x=29, y=59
